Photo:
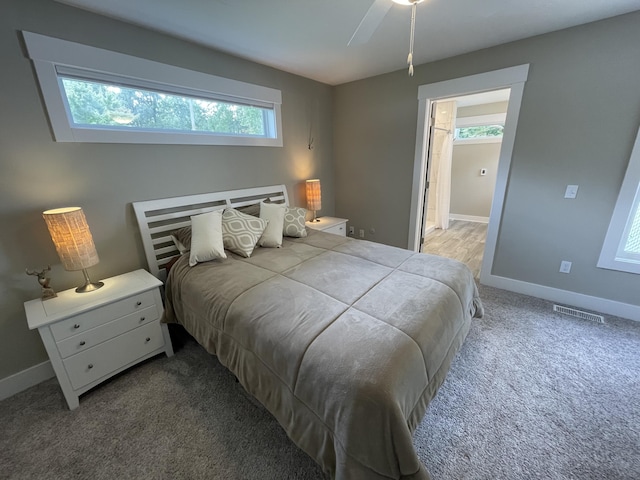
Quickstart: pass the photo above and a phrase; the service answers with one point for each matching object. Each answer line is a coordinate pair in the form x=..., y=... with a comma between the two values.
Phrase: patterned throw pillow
x=294, y=219
x=241, y=232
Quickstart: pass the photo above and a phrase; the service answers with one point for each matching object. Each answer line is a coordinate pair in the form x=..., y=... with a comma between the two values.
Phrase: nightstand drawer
x=91, y=338
x=93, y=318
x=335, y=225
x=103, y=359
x=337, y=230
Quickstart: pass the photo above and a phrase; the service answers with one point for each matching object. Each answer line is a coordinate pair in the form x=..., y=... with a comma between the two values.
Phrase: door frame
x=511, y=77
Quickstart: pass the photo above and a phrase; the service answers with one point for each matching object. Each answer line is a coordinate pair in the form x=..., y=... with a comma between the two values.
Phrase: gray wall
x=579, y=117
x=471, y=193
x=36, y=173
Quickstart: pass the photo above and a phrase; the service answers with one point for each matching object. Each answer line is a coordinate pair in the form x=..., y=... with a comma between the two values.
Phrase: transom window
x=94, y=95
x=480, y=129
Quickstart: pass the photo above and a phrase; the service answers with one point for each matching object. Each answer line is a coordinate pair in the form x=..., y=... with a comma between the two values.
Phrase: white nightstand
x=92, y=336
x=330, y=225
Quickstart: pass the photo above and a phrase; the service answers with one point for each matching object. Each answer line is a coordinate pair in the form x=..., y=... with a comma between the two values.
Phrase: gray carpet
x=532, y=394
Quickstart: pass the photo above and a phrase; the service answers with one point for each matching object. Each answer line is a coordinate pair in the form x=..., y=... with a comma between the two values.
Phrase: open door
x=424, y=229
x=437, y=193
x=438, y=202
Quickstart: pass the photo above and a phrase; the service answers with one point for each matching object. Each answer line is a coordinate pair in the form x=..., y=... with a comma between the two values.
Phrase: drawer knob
x=83, y=343
x=90, y=366
x=142, y=319
x=76, y=325
x=147, y=339
x=138, y=304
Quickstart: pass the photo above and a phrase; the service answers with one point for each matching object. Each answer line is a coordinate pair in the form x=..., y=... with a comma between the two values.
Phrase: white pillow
x=206, y=237
x=274, y=214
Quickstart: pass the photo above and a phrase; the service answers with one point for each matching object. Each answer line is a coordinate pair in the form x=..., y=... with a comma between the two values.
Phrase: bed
x=344, y=341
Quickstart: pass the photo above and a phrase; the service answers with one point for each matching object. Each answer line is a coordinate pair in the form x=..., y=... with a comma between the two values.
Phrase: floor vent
x=578, y=313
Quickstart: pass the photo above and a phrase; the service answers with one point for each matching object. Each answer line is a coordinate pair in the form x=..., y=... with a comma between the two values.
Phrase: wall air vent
x=578, y=313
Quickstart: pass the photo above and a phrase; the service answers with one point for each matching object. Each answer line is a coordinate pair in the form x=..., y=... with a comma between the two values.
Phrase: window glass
x=631, y=238
x=108, y=105
x=479, y=131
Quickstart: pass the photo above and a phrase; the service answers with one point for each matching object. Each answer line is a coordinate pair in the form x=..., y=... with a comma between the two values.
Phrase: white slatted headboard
x=157, y=218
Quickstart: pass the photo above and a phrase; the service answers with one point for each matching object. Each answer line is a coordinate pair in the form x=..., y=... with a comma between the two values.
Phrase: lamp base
x=88, y=286
x=314, y=219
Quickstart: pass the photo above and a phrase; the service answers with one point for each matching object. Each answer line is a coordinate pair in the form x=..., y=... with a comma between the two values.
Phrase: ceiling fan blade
x=370, y=22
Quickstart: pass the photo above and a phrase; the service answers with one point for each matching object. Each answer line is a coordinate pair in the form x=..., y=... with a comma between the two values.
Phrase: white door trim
x=512, y=77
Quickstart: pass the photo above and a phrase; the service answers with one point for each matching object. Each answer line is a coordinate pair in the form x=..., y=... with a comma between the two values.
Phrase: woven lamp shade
x=71, y=236
x=314, y=195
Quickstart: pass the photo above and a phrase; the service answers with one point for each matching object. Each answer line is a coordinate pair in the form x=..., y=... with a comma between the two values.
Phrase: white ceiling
x=309, y=37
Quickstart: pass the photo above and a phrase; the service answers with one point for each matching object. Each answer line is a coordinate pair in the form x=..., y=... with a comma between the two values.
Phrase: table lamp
x=71, y=236
x=314, y=197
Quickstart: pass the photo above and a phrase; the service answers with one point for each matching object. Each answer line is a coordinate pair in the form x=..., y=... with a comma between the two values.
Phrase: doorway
x=462, y=162
x=512, y=78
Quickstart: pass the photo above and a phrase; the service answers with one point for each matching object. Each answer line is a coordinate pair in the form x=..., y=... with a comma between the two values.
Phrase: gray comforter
x=344, y=341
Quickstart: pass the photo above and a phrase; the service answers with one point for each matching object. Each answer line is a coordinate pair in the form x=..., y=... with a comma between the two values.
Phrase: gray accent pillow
x=253, y=210
x=179, y=245
x=294, y=226
x=182, y=239
x=241, y=232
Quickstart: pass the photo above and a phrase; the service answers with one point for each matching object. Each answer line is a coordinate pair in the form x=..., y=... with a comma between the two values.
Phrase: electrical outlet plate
x=565, y=267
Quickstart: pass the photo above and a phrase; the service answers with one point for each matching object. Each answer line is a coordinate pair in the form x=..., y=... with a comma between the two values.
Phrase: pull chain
x=411, y=36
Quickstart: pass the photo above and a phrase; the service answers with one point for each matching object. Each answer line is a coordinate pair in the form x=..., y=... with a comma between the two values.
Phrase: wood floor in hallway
x=463, y=241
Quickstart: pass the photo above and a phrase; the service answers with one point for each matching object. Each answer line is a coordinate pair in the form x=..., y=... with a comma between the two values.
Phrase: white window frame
x=628, y=201
x=51, y=55
x=478, y=121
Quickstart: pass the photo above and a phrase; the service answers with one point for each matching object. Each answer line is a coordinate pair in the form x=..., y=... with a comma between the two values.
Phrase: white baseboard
x=20, y=381
x=596, y=304
x=468, y=218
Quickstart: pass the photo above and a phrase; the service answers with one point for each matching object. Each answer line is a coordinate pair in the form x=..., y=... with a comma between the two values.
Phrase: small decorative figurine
x=43, y=280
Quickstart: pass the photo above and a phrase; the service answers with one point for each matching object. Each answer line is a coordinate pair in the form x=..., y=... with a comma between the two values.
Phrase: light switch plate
x=571, y=191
